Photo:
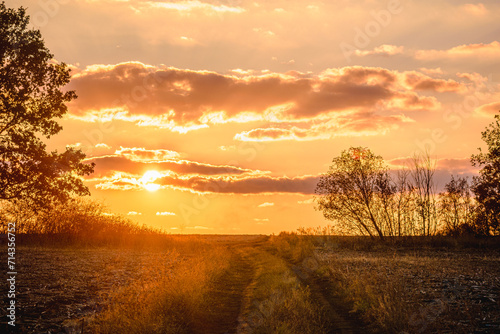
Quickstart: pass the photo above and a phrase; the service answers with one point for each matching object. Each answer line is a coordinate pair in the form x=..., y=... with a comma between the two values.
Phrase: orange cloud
x=418, y=81
x=489, y=109
x=475, y=9
x=141, y=154
x=458, y=165
x=251, y=184
x=359, y=124
x=107, y=166
x=383, y=50
x=127, y=172
x=247, y=185
x=443, y=166
x=479, y=50
x=432, y=71
x=277, y=134
x=184, y=100
x=187, y=6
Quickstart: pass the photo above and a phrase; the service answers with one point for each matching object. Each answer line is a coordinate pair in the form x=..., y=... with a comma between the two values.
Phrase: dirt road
x=235, y=311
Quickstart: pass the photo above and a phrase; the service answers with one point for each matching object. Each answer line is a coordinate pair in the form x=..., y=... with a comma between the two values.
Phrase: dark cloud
x=248, y=185
x=107, y=165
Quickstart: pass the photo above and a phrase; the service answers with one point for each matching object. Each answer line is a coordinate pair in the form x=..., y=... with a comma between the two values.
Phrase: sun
x=151, y=186
x=148, y=179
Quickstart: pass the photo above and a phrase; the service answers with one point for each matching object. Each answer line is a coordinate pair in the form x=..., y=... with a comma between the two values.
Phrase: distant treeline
x=362, y=196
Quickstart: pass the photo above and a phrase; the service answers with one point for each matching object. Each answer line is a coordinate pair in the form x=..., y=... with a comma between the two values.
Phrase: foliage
x=486, y=186
x=31, y=100
x=347, y=193
x=362, y=196
x=457, y=207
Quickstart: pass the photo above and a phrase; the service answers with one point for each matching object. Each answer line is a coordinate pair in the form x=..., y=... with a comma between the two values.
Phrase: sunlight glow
x=147, y=180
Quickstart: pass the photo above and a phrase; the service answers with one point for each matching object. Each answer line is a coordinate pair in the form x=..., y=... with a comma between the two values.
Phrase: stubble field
x=256, y=284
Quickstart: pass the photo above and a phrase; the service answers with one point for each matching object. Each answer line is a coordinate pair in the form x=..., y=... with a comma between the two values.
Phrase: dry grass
x=80, y=222
x=280, y=303
x=417, y=291
x=291, y=246
x=166, y=299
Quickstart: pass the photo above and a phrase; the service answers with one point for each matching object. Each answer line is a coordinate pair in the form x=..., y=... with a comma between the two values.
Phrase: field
x=257, y=284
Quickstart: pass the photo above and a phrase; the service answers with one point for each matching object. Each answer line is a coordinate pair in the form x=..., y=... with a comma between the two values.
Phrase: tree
x=456, y=206
x=31, y=100
x=396, y=203
x=486, y=186
x=348, y=192
x=422, y=173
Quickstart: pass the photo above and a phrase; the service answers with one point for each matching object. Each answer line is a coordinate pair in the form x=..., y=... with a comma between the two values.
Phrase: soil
x=58, y=287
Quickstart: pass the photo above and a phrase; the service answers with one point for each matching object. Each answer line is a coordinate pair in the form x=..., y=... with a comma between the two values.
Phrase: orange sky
x=219, y=116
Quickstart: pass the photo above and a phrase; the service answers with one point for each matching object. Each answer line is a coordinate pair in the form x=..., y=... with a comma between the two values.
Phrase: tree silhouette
x=31, y=100
x=348, y=193
x=486, y=186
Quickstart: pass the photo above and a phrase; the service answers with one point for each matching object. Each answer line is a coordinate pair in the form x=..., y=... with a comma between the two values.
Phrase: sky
x=220, y=116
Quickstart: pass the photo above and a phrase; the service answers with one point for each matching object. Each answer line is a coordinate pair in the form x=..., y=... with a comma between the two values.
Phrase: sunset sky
x=219, y=116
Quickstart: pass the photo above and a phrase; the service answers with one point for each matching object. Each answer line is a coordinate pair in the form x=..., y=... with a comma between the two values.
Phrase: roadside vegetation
x=280, y=302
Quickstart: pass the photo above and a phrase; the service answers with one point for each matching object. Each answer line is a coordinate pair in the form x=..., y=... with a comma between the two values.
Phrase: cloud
x=359, y=124
x=188, y=6
x=418, y=81
x=475, y=9
x=444, y=166
x=277, y=134
x=102, y=145
x=489, y=109
x=183, y=7
x=224, y=185
x=134, y=213
x=186, y=100
x=198, y=227
x=456, y=166
x=307, y=201
x=432, y=71
x=247, y=185
x=266, y=204
x=383, y=50
x=136, y=165
x=165, y=213
x=119, y=172
x=141, y=154
x=476, y=51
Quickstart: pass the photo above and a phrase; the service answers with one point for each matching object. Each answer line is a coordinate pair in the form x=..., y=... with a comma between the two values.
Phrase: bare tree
x=422, y=174
x=396, y=203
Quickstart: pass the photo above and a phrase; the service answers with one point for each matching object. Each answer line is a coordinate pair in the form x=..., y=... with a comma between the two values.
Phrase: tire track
x=228, y=296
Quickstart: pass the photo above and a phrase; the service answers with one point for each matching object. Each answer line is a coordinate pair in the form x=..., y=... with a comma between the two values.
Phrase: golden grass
x=281, y=304
x=291, y=246
x=166, y=299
